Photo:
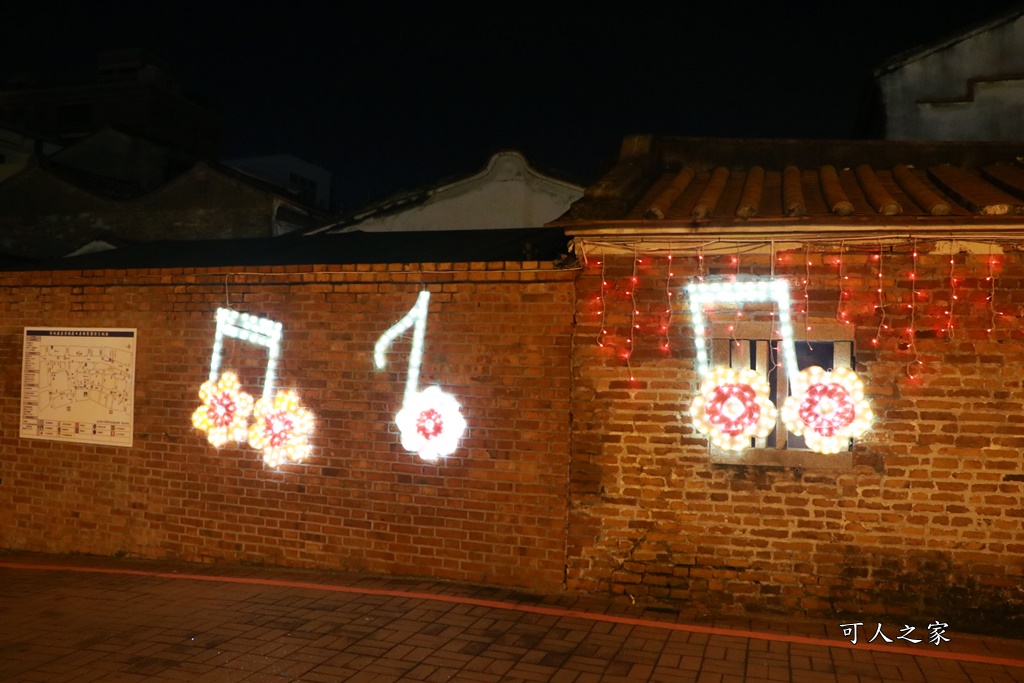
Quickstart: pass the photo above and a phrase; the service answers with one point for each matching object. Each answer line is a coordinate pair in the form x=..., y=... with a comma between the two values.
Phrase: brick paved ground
x=144, y=621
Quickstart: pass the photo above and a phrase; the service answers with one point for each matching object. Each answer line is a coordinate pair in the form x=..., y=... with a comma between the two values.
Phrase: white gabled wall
x=506, y=194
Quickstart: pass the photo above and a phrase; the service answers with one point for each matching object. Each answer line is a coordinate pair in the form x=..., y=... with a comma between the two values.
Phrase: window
x=755, y=345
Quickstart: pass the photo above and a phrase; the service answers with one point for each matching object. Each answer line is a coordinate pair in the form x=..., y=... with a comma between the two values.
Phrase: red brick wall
x=498, y=337
x=929, y=519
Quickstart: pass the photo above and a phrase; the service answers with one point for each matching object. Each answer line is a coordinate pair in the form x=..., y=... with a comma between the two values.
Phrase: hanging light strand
x=668, y=303
x=881, y=300
x=952, y=293
x=601, y=331
x=991, y=290
x=632, y=315
x=807, y=281
x=912, y=331
x=840, y=307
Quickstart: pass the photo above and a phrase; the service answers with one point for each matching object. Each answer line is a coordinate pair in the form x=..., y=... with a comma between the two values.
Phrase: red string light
x=881, y=299
x=912, y=332
x=668, y=303
x=952, y=293
x=632, y=316
x=807, y=281
x=604, y=307
x=991, y=291
x=843, y=294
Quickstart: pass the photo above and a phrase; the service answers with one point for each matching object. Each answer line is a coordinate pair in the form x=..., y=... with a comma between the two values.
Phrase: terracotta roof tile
x=682, y=182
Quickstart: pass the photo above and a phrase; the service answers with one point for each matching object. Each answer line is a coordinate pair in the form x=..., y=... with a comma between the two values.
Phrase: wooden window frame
x=722, y=337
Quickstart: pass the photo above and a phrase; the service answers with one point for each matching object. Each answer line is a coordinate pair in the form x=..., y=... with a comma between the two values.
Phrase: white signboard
x=78, y=384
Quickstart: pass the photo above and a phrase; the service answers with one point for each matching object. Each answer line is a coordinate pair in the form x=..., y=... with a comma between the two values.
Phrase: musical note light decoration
x=430, y=421
x=733, y=406
x=827, y=408
x=282, y=426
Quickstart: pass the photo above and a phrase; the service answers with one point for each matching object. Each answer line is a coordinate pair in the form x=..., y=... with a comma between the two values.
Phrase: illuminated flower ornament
x=431, y=424
x=282, y=429
x=430, y=421
x=733, y=407
x=225, y=412
x=827, y=408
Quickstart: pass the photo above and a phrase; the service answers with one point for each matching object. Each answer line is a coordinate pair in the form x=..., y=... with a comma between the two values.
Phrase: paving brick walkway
x=95, y=619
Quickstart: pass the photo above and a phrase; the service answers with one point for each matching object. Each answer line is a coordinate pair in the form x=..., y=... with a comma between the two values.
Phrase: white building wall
x=507, y=194
x=992, y=111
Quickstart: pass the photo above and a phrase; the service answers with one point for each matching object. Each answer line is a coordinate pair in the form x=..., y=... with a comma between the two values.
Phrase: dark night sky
x=391, y=96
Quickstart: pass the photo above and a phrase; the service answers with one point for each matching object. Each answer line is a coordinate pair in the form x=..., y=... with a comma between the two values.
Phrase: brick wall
x=925, y=523
x=498, y=337
x=928, y=520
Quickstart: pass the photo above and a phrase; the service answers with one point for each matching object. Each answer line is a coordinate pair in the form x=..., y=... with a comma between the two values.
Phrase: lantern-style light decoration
x=733, y=407
x=224, y=415
x=282, y=429
x=827, y=408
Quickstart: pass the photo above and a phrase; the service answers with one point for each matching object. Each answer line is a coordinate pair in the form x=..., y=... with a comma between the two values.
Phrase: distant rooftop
x=661, y=182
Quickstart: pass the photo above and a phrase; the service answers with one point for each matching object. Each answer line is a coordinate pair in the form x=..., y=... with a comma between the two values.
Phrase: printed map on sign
x=78, y=384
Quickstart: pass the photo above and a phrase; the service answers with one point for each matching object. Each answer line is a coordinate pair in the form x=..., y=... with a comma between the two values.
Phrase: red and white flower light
x=225, y=412
x=431, y=423
x=733, y=407
x=827, y=408
x=282, y=429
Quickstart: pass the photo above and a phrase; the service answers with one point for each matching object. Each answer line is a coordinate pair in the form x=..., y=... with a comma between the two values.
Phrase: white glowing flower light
x=827, y=408
x=431, y=424
x=733, y=407
x=282, y=429
x=225, y=411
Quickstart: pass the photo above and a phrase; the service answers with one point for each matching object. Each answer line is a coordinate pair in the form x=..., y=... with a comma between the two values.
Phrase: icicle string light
x=604, y=306
x=843, y=294
x=807, y=281
x=912, y=330
x=668, y=303
x=952, y=293
x=991, y=290
x=633, y=282
x=881, y=299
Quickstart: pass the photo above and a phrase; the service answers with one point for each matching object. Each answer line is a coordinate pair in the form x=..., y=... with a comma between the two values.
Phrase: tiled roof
x=722, y=183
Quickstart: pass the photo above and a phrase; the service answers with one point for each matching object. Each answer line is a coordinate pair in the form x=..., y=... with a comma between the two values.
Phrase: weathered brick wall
x=498, y=338
x=927, y=523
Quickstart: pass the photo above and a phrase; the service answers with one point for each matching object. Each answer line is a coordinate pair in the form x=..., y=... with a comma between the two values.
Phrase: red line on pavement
x=536, y=609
